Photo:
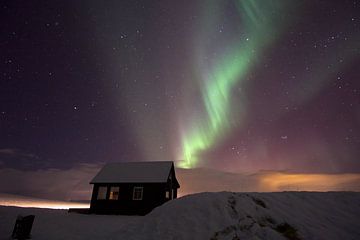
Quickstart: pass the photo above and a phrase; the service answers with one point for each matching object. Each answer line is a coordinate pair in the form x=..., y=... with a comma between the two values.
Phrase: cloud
x=209, y=180
x=20, y=159
x=16, y=152
x=49, y=183
x=7, y=151
x=73, y=184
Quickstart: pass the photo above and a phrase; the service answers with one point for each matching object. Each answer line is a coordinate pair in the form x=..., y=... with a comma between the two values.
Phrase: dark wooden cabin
x=133, y=188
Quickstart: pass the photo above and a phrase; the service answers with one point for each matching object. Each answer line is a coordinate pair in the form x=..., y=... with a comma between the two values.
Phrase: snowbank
x=224, y=215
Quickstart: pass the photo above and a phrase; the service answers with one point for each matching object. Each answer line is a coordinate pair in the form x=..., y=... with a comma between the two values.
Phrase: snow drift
x=224, y=215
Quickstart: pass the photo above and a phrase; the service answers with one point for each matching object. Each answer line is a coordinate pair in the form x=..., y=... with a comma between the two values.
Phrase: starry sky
x=237, y=86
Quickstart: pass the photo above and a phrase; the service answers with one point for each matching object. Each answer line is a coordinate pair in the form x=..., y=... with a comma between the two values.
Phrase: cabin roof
x=134, y=172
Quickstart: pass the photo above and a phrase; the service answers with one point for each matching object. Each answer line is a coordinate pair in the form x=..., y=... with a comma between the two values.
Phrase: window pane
x=167, y=194
x=102, y=193
x=114, y=193
x=138, y=193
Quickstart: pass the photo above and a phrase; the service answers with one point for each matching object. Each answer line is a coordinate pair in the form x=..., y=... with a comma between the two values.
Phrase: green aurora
x=261, y=26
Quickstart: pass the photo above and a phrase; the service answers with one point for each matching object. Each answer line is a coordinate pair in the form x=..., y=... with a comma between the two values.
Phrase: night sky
x=232, y=85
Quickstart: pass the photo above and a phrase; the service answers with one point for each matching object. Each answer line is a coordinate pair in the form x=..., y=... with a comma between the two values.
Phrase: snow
x=222, y=215
x=134, y=172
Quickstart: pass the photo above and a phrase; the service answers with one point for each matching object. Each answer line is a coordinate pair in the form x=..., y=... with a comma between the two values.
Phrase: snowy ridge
x=286, y=215
x=222, y=215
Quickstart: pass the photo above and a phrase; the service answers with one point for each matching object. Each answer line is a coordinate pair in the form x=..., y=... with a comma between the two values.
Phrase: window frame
x=110, y=192
x=98, y=193
x=135, y=189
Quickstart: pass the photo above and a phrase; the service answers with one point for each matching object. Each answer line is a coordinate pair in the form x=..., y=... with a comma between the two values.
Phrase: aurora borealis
x=258, y=30
x=228, y=70
x=237, y=85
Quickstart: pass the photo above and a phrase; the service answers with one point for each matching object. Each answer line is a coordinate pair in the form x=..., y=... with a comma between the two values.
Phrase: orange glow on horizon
x=27, y=202
x=310, y=182
x=206, y=180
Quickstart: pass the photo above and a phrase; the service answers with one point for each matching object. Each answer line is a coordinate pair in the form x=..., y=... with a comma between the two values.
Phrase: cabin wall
x=153, y=196
x=172, y=184
x=175, y=193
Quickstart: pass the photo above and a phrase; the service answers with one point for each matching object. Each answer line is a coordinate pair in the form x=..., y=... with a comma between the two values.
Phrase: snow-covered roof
x=134, y=172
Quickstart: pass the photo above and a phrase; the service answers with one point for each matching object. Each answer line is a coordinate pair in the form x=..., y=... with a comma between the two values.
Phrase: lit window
x=167, y=195
x=114, y=193
x=138, y=193
x=102, y=193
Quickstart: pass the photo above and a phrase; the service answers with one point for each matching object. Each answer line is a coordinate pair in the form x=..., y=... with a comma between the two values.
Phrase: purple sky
x=91, y=82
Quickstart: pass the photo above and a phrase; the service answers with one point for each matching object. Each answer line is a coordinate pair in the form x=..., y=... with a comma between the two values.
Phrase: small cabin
x=133, y=188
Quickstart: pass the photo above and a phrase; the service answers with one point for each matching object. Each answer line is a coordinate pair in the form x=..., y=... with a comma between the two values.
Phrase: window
x=114, y=193
x=102, y=193
x=138, y=193
x=170, y=194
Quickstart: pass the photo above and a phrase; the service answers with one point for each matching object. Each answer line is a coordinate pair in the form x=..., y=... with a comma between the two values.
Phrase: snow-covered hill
x=224, y=215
